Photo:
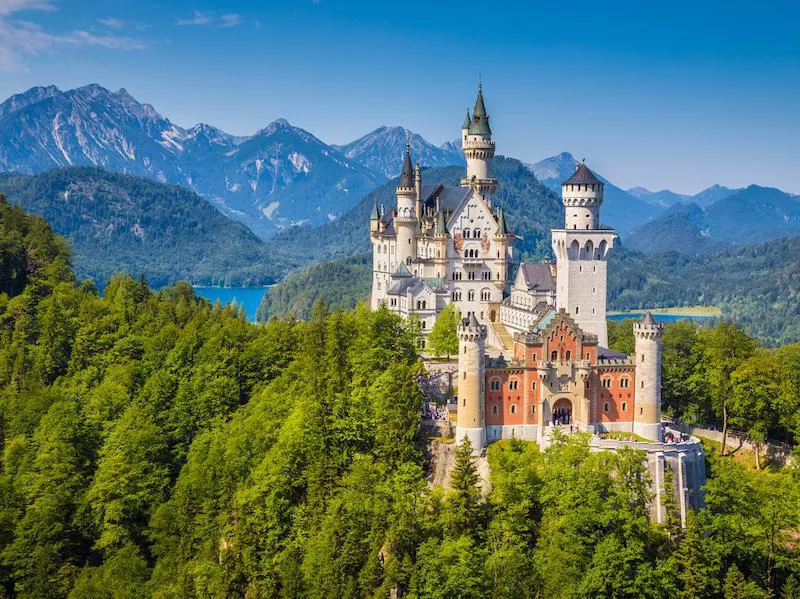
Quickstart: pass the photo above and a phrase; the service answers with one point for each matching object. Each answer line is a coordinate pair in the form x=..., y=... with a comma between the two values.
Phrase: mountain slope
x=664, y=198
x=713, y=194
x=532, y=211
x=751, y=215
x=382, y=151
x=620, y=209
x=280, y=176
x=118, y=222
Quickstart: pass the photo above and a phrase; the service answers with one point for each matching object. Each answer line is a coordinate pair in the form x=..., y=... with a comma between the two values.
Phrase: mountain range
x=745, y=216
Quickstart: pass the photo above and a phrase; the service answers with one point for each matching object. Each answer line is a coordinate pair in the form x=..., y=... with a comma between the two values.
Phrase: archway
x=562, y=412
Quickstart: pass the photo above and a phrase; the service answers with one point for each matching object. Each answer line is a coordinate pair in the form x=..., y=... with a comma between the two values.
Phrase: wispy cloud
x=231, y=20
x=8, y=7
x=114, y=23
x=199, y=18
x=20, y=39
x=208, y=18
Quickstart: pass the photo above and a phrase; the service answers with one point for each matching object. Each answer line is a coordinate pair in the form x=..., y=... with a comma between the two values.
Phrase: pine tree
x=464, y=502
x=697, y=571
x=791, y=588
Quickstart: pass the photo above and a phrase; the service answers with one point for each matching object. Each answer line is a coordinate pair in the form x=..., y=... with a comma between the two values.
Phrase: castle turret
x=647, y=398
x=503, y=239
x=478, y=147
x=375, y=218
x=405, y=222
x=471, y=418
x=581, y=249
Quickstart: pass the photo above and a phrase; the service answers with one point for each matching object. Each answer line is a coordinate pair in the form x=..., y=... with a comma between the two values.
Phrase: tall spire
x=407, y=175
x=441, y=226
x=467, y=121
x=376, y=215
x=501, y=222
x=480, y=120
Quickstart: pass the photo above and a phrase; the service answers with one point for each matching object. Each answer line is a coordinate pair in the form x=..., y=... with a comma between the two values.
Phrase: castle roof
x=401, y=271
x=582, y=175
x=603, y=353
x=467, y=121
x=538, y=277
x=501, y=222
x=376, y=215
x=407, y=174
x=480, y=120
x=648, y=320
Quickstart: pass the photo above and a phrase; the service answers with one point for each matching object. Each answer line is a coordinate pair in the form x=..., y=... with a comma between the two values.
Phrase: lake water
x=664, y=318
x=249, y=297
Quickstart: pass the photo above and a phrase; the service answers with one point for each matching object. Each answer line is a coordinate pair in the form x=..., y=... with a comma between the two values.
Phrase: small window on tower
x=624, y=407
x=605, y=407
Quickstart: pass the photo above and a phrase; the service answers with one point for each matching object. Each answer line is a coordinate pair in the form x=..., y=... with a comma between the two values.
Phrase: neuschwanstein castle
x=547, y=337
x=533, y=353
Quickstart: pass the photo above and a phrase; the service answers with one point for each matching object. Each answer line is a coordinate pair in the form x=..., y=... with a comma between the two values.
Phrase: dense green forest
x=156, y=445
x=341, y=284
x=120, y=223
x=758, y=287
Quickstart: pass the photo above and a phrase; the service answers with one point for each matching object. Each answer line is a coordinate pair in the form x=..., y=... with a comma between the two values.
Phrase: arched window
x=513, y=385
x=624, y=407
x=494, y=409
x=477, y=233
x=568, y=355
x=513, y=409
x=624, y=382
x=574, y=250
x=554, y=356
x=494, y=385
x=606, y=383
x=471, y=295
x=605, y=407
x=466, y=233
x=589, y=250
x=533, y=386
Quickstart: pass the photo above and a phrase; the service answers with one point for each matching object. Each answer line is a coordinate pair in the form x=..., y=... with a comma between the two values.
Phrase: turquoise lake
x=249, y=297
x=665, y=318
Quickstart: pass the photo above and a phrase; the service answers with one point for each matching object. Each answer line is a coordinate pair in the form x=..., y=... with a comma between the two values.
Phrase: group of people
x=674, y=437
x=562, y=416
x=434, y=412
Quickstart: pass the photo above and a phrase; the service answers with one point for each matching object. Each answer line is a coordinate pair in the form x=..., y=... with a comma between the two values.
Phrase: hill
x=120, y=222
x=756, y=286
x=341, y=284
x=663, y=198
x=532, y=211
x=382, y=150
x=620, y=209
x=752, y=215
x=280, y=176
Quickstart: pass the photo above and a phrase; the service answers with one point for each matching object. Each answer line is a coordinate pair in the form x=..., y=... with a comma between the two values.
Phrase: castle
x=533, y=353
x=441, y=245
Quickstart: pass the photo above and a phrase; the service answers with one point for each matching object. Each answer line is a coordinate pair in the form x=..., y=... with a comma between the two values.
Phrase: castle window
x=606, y=383
x=588, y=356
x=605, y=407
x=533, y=357
x=379, y=249
x=577, y=309
x=624, y=382
x=494, y=385
x=624, y=407
x=513, y=384
x=568, y=356
x=642, y=357
x=494, y=409
x=513, y=409
x=422, y=326
x=477, y=233
x=471, y=295
x=533, y=386
x=642, y=385
x=553, y=356
x=641, y=411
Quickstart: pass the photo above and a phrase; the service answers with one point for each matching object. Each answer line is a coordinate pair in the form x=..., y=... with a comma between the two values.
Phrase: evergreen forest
x=155, y=445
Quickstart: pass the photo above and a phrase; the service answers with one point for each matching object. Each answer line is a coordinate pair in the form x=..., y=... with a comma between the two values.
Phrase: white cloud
x=199, y=18
x=208, y=18
x=231, y=20
x=20, y=39
x=114, y=23
x=8, y=7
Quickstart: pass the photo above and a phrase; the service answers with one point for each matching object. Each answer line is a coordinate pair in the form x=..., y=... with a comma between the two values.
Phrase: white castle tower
x=478, y=148
x=471, y=415
x=647, y=398
x=405, y=222
x=581, y=249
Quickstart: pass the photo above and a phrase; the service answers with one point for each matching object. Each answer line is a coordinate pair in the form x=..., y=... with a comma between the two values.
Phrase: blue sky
x=675, y=95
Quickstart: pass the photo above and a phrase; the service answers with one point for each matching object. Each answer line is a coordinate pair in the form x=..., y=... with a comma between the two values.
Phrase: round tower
x=471, y=420
x=582, y=195
x=478, y=148
x=405, y=222
x=647, y=398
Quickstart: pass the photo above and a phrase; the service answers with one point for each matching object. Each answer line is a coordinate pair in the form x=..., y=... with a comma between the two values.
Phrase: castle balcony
x=472, y=261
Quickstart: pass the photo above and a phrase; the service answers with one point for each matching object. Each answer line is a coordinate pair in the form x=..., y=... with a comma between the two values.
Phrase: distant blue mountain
x=620, y=209
x=382, y=151
x=746, y=216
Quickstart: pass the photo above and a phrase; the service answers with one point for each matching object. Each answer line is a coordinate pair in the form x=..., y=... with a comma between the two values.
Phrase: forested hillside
x=155, y=445
x=120, y=223
x=531, y=209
